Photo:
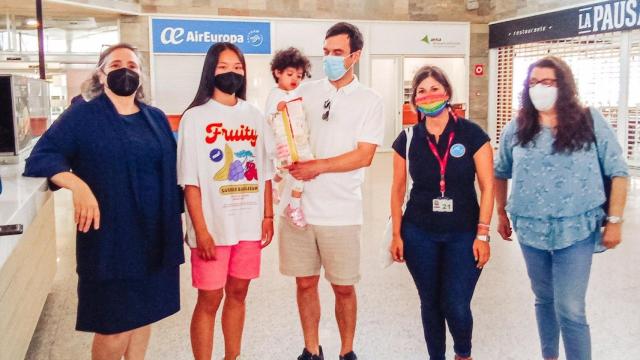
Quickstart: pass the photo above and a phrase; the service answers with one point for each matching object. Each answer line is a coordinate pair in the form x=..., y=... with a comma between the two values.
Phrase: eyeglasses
x=327, y=107
x=544, y=82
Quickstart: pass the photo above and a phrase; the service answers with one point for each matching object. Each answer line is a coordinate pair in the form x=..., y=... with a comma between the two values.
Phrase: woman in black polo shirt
x=443, y=234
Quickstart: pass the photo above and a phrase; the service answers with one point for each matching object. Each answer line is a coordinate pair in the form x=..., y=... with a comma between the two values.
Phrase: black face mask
x=123, y=82
x=229, y=82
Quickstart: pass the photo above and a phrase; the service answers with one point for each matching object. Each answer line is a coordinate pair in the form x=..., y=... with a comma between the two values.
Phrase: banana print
x=223, y=174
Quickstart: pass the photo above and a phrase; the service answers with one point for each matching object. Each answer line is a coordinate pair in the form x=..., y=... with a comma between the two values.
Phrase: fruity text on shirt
x=244, y=133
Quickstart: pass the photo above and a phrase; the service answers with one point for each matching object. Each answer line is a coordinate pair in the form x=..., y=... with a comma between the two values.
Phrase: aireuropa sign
x=178, y=36
x=597, y=18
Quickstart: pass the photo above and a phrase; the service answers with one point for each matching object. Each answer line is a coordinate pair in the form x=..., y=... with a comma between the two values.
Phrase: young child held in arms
x=286, y=118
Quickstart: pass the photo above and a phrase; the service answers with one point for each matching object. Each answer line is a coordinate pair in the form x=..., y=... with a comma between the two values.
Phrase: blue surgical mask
x=334, y=66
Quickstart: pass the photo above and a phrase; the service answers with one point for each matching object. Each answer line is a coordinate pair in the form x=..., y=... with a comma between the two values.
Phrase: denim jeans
x=559, y=279
x=444, y=270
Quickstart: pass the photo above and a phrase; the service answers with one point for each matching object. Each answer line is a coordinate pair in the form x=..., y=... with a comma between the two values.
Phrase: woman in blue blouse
x=556, y=154
x=117, y=155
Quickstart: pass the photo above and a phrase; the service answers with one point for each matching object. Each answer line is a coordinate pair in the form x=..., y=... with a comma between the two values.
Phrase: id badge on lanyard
x=442, y=204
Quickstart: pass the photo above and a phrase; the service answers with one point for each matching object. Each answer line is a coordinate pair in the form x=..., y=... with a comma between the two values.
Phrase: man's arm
x=361, y=157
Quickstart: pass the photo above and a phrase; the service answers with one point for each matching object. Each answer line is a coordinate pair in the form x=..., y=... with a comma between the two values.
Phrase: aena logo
x=171, y=36
x=429, y=40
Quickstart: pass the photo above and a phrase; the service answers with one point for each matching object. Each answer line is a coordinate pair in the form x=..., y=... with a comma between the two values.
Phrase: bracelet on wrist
x=612, y=219
x=486, y=238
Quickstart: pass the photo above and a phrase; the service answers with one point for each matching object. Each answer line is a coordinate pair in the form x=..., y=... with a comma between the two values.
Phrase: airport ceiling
x=50, y=9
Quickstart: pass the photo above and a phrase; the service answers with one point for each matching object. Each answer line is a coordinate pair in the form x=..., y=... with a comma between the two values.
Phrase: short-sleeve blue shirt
x=556, y=198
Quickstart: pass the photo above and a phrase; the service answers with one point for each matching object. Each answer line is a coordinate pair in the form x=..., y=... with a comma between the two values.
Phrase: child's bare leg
x=277, y=179
x=296, y=193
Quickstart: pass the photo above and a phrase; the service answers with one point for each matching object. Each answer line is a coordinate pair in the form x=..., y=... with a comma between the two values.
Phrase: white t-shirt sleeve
x=268, y=105
x=187, y=152
x=265, y=150
x=275, y=96
x=372, y=127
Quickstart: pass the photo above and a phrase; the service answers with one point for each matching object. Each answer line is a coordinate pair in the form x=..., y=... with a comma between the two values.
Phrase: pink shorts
x=241, y=261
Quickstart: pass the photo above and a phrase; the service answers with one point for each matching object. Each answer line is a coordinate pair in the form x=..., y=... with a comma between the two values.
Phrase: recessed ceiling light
x=31, y=22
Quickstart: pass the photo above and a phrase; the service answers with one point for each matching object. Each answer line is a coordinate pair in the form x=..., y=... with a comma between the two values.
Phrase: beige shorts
x=336, y=248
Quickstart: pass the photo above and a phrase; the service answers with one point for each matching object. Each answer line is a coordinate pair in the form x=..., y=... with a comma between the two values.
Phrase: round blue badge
x=255, y=38
x=216, y=155
x=458, y=150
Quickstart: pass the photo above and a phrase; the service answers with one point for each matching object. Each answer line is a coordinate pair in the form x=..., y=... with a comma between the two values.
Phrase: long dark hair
x=574, y=130
x=207, y=79
x=426, y=72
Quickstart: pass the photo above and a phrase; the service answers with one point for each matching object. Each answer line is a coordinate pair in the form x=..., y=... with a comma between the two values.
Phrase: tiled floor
x=389, y=327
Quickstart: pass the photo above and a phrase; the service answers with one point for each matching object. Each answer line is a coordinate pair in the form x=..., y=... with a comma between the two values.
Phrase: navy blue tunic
x=128, y=269
x=148, y=164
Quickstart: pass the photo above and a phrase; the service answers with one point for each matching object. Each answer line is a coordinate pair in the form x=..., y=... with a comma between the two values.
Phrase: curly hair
x=290, y=57
x=574, y=131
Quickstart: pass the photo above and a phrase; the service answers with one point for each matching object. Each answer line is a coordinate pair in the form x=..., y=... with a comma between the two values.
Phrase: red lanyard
x=442, y=161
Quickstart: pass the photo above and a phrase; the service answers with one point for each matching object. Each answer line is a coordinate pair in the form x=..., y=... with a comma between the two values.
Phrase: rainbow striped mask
x=432, y=105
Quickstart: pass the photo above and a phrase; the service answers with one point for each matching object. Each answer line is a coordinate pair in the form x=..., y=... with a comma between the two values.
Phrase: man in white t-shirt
x=346, y=124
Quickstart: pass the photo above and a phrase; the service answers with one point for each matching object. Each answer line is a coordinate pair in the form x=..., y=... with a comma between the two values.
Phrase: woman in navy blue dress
x=117, y=155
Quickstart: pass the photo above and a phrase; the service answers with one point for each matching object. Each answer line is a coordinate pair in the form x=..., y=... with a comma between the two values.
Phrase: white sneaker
x=295, y=216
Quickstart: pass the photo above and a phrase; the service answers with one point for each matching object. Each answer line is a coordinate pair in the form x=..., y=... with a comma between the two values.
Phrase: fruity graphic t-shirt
x=221, y=150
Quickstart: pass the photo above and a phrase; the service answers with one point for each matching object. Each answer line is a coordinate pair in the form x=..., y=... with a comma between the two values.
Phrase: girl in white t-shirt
x=227, y=183
x=288, y=67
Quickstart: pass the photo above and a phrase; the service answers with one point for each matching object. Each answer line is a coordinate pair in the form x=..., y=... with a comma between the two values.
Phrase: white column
x=623, y=99
x=493, y=96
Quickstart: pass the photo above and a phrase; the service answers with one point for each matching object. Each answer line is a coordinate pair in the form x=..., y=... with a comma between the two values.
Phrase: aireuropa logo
x=176, y=35
x=255, y=38
x=171, y=35
x=196, y=36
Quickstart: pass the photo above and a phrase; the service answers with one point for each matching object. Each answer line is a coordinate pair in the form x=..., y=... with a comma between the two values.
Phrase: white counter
x=20, y=201
x=27, y=261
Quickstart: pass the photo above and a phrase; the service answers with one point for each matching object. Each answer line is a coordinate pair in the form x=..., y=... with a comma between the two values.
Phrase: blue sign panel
x=178, y=36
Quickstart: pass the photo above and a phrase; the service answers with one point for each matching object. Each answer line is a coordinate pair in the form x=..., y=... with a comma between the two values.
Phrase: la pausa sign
x=606, y=17
x=602, y=17
x=196, y=36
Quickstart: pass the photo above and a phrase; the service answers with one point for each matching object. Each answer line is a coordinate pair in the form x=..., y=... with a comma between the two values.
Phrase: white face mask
x=543, y=97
